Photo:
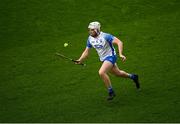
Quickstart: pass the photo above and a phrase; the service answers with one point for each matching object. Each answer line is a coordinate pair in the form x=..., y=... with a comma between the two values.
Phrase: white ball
x=65, y=44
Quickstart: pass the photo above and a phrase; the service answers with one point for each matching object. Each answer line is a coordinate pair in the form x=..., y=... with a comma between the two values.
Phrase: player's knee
x=101, y=73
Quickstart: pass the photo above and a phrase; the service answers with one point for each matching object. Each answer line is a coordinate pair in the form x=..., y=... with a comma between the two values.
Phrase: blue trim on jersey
x=110, y=44
x=109, y=37
x=111, y=59
x=88, y=44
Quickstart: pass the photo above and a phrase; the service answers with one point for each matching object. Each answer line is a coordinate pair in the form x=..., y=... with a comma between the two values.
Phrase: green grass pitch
x=37, y=86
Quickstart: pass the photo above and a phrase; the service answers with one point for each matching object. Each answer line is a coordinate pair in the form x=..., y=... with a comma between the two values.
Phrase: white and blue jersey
x=103, y=45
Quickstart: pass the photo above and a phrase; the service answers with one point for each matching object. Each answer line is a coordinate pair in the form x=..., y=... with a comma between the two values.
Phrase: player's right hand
x=78, y=62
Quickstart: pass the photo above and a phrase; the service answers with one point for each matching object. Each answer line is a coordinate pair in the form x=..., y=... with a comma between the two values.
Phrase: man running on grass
x=103, y=43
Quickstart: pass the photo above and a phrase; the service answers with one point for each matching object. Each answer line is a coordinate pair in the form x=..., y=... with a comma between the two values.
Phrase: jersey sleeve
x=88, y=45
x=109, y=37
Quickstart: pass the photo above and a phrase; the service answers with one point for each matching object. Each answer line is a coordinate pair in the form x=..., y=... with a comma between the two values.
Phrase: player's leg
x=105, y=68
x=120, y=73
x=117, y=72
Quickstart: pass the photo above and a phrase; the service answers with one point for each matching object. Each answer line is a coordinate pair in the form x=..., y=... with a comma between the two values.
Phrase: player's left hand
x=123, y=58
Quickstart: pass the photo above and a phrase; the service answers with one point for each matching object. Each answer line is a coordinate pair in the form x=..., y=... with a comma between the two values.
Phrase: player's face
x=92, y=32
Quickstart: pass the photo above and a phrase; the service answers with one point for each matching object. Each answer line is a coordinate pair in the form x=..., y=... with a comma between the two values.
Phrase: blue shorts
x=111, y=59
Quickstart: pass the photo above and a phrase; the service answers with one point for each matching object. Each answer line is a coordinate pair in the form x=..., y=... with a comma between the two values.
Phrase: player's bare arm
x=119, y=43
x=84, y=55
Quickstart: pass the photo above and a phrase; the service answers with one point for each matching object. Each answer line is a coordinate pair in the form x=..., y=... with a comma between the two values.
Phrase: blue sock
x=110, y=89
x=131, y=76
